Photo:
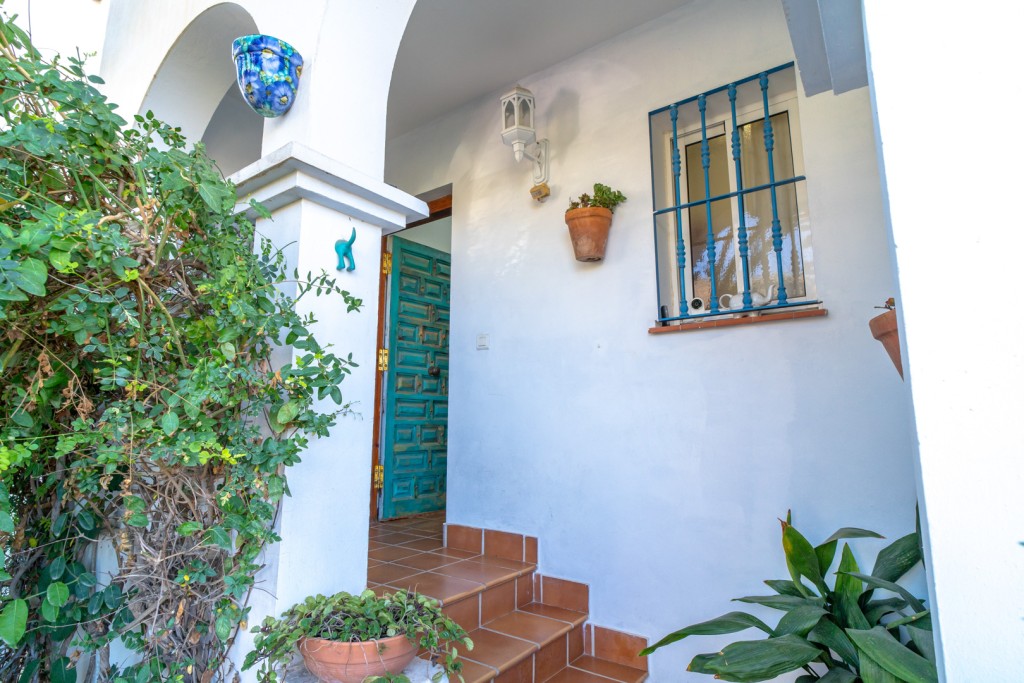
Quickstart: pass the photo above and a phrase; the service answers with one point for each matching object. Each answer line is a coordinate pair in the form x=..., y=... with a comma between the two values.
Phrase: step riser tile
x=576, y=643
x=551, y=659
x=563, y=593
x=524, y=590
x=497, y=601
x=465, y=613
x=464, y=538
x=610, y=670
x=520, y=673
x=504, y=544
x=619, y=647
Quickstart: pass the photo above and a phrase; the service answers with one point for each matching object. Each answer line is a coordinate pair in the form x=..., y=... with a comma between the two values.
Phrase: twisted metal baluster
x=769, y=146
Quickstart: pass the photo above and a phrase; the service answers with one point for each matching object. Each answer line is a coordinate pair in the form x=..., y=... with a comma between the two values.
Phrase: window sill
x=748, y=319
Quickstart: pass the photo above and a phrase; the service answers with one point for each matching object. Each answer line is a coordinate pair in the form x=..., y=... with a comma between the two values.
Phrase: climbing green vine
x=145, y=429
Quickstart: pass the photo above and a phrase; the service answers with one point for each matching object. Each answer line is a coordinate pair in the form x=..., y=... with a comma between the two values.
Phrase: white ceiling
x=455, y=51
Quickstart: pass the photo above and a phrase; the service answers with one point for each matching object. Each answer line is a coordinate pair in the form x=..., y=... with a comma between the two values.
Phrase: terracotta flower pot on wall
x=588, y=228
x=340, y=662
x=884, y=329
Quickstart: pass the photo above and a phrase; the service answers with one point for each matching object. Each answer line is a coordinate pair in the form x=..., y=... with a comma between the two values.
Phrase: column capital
x=296, y=172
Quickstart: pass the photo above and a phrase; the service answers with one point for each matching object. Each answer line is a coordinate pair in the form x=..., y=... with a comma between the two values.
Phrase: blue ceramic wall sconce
x=268, y=73
x=344, y=250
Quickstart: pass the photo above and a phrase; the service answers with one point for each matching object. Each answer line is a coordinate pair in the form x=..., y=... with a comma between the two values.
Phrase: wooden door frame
x=439, y=208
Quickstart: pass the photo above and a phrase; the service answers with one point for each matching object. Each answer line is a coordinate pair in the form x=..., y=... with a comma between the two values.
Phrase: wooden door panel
x=415, y=445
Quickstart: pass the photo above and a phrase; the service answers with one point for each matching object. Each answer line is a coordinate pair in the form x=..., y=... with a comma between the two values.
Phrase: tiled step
x=526, y=628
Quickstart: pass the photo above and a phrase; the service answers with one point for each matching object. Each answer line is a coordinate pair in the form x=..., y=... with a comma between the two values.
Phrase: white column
x=944, y=78
x=316, y=201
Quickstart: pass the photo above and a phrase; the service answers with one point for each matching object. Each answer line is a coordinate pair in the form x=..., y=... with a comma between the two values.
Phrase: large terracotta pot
x=884, y=329
x=588, y=228
x=337, y=662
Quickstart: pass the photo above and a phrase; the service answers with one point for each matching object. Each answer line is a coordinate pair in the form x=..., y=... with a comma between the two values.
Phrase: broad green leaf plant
x=846, y=633
x=142, y=416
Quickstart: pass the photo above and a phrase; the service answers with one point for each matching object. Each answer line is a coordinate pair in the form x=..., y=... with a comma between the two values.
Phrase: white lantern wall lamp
x=517, y=114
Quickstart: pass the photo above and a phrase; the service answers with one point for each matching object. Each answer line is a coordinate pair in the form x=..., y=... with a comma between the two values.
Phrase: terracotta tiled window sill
x=708, y=323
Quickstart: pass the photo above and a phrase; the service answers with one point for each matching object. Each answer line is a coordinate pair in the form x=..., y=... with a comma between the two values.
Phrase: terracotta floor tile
x=616, y=672
x=397, y=538
x=392, y=553
x=474, y=570
x=536, y=629
x=497, y=649
x=386, y=573
x=552, y=612
x=438, y=586
x=456, y=553
x=426, y=562
x=519, y=567
x=424, y=543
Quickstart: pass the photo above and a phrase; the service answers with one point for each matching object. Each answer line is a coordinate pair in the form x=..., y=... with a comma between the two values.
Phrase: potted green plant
x=347, y=638
x=884, y=328
x=589, y=219
x=839, y=634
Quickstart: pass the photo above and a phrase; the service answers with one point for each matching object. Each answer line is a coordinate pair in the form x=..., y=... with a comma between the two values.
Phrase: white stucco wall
x=966, y=366
x=654, y=467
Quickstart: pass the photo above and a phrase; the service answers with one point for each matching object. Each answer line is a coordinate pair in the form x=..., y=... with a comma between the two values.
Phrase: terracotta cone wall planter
x=884, y=329
x=588, y=228
x=338, y=662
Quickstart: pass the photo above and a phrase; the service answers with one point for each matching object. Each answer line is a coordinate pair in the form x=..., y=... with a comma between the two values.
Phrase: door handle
x=434, y=371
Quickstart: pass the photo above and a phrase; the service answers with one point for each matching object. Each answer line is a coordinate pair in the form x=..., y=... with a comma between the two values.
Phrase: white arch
x=197, y=71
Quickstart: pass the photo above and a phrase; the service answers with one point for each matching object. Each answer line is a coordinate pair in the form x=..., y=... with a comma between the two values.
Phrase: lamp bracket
x=537, y=152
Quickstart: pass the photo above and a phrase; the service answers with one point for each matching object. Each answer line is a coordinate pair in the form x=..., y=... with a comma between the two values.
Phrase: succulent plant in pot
x=590, y=219
x=345, y=638
x=844, y=633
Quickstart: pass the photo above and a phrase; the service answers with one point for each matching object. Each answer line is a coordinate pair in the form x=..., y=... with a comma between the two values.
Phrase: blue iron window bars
x=728, y=236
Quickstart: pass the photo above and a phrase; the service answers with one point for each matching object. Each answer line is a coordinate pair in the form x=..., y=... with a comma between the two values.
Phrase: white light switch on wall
x=483, y=342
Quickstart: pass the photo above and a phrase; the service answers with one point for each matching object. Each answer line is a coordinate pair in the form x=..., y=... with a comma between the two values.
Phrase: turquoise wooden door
x=415, y=450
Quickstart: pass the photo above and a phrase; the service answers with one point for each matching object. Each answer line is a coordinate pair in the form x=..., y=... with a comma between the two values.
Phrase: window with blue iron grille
x=732, y=235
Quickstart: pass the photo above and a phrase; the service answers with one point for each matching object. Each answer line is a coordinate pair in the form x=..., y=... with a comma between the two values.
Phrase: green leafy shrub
x=141, y=412
x=604, y=197
x=839, y=634
x=345, y=617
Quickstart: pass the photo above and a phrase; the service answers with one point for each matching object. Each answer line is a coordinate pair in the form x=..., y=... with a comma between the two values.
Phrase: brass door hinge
x=382, y=360
x=385, y=263
x=378, y=477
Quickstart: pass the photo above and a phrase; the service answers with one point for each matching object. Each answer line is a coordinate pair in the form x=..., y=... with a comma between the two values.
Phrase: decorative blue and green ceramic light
x=268, y=73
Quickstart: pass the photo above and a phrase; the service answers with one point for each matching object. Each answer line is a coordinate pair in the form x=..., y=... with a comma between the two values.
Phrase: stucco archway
x=194, y=88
